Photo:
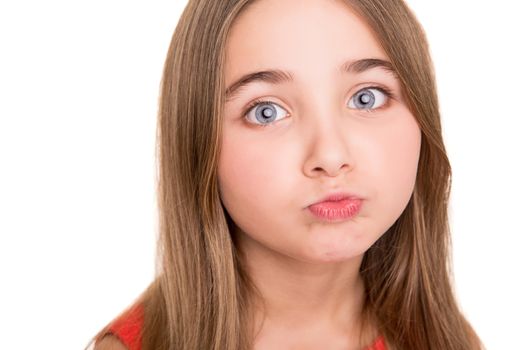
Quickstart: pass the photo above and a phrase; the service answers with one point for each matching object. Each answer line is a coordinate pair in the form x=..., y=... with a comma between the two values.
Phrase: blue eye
x=370, y=98
x=263, y=113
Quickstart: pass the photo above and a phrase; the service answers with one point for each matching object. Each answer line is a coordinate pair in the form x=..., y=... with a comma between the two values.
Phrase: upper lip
x=337, y=196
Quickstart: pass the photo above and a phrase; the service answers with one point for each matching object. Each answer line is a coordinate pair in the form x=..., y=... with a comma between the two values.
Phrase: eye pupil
x=365, y=98
x=265, y=112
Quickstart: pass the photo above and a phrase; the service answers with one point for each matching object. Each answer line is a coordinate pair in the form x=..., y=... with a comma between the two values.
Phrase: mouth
x=337, y=207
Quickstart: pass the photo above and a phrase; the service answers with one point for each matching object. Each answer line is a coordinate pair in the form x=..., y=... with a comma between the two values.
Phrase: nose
x=329, y=151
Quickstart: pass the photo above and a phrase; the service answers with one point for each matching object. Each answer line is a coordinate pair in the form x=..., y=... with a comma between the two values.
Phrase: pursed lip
x=337, y=196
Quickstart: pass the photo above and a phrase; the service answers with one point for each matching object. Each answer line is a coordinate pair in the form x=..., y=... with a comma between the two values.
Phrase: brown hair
x=201, y=297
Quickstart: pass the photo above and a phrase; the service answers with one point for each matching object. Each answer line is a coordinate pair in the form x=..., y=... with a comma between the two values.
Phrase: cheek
x=253, y=177
x=404, y=146
x=396, y=168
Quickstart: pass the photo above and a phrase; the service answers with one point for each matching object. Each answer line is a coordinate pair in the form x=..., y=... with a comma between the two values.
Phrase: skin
x=308, y=269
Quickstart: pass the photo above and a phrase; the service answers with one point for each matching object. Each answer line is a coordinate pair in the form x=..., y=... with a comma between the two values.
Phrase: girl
x=303, y=185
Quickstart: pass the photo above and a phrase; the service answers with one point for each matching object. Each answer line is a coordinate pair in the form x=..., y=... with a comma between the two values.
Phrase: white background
x=79, y=83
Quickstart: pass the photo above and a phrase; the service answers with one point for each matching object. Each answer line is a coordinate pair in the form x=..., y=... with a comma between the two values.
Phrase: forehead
x=308, y=36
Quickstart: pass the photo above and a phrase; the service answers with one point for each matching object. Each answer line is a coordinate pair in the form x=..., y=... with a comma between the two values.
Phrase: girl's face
x=319, y=136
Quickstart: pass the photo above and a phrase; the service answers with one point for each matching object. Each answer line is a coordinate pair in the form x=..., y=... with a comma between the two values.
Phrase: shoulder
x=109, y=342
x=124, y=332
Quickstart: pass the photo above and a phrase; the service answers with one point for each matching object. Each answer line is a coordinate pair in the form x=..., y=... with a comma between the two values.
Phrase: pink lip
x=338, y=206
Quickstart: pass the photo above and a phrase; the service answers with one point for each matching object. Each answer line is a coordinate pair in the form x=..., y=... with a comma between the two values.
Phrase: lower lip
x=336, y=210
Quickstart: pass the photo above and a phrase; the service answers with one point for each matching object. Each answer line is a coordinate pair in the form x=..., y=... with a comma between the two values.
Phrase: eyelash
x=388, y=93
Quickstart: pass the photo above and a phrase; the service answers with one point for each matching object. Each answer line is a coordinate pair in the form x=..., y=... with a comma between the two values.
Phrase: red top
x=127, y=329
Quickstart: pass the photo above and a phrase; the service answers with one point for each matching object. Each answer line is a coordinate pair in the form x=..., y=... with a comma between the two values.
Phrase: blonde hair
x=201, y=297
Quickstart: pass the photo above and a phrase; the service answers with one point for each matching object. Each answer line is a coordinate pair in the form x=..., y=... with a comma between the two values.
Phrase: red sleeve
x=128, y=327
x=379, y=344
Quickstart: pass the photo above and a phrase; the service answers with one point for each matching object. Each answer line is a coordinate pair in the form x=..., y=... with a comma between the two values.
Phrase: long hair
x=201, y=297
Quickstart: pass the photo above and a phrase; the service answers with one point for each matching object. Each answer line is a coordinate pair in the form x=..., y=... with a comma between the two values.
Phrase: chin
x=337, y=244
x=334, y=254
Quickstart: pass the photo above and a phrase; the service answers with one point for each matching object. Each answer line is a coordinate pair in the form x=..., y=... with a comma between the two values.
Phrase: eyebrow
x=277, y=76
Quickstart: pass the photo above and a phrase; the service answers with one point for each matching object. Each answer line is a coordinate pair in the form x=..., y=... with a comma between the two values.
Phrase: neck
x=301, y=297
